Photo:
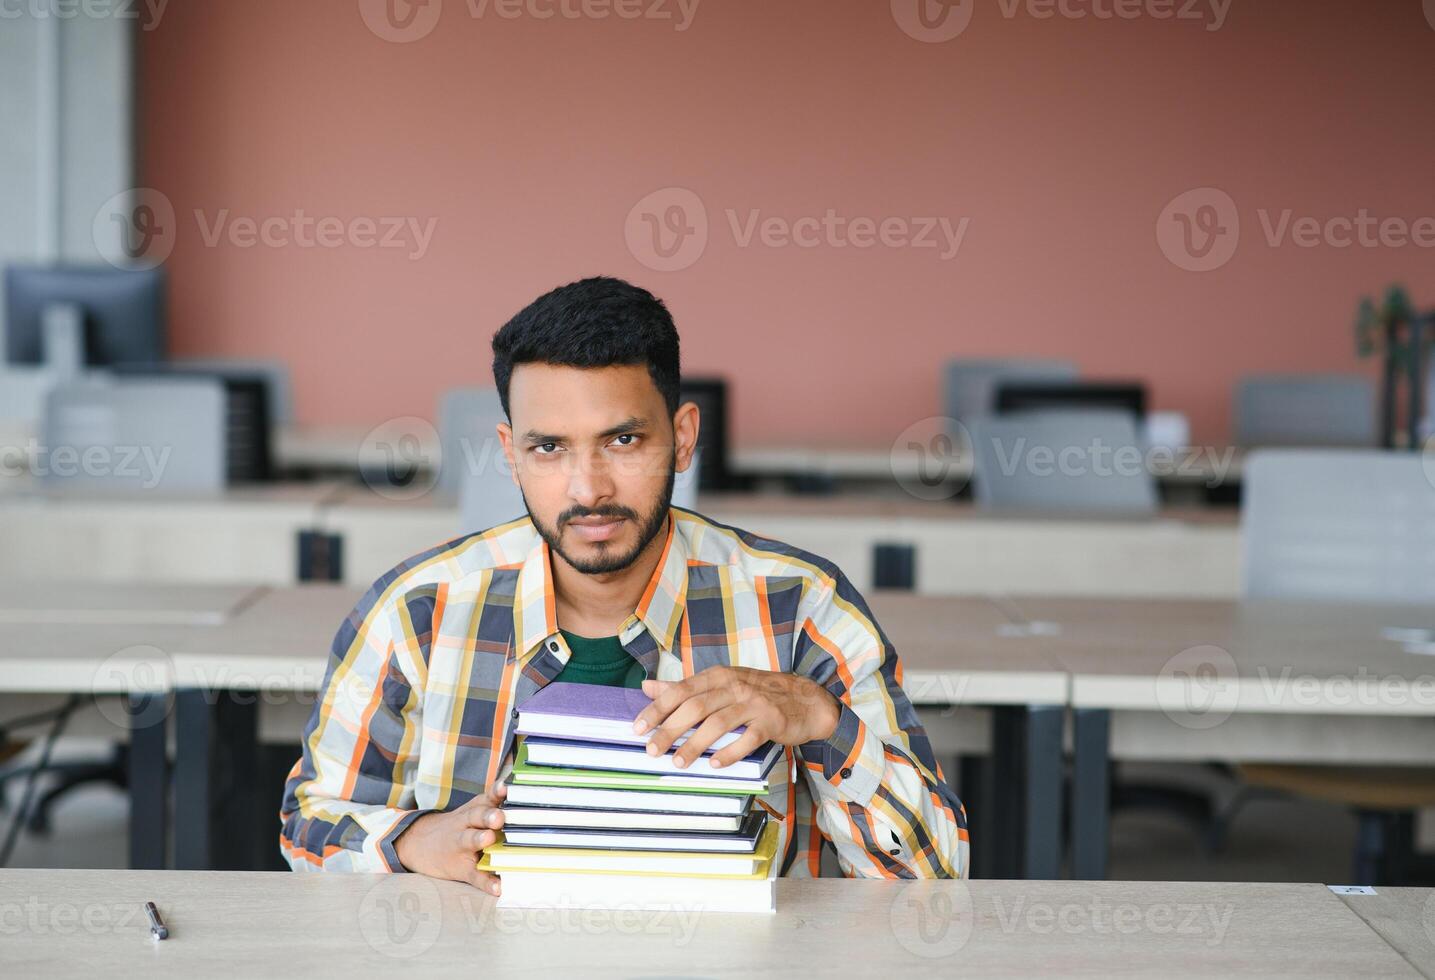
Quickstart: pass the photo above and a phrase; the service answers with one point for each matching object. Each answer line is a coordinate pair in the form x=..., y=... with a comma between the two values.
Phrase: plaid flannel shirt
x=427, y=673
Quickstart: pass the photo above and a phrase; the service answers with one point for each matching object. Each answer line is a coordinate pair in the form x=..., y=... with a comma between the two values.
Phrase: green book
x=527, y=774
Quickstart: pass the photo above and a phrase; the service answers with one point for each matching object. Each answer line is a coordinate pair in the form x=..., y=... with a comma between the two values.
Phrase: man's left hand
x=776, y=707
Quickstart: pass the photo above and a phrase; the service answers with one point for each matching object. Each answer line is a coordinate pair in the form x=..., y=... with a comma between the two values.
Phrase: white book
x=594, y=798
x=595, y=755
x=502, y=859
x=612, y=892
x=552, y=816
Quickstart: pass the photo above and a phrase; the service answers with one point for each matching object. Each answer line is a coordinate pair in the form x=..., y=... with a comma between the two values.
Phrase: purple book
x=590, y=713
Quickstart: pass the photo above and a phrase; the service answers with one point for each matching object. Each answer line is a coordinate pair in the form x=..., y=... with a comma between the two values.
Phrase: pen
x=157, y=928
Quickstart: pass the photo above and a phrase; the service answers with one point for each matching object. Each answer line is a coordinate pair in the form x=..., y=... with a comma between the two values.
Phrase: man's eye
x=546, y=448
x=626, y=435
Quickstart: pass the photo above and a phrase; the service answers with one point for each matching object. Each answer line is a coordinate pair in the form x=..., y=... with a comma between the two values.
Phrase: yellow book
x=501, y=858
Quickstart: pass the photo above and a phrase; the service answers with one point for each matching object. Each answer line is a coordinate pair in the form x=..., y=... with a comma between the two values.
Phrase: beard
x=608, y=560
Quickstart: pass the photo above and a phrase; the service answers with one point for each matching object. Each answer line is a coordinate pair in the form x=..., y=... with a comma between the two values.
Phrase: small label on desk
x=1351, y=889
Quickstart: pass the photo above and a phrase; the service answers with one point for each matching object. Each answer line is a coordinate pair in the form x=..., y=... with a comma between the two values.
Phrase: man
x=605, y=582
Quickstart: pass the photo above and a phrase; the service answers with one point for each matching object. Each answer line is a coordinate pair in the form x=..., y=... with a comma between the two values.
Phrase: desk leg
x=1025, y=788
x=148, y=774
x=217, y=740
x=1091, y=794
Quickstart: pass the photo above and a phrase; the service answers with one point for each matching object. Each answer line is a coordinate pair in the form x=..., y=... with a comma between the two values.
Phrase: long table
x=947, y=548
x=87, y=923
x=1254, y=681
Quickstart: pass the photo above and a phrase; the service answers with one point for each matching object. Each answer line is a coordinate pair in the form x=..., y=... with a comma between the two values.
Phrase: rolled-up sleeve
x=881, y=798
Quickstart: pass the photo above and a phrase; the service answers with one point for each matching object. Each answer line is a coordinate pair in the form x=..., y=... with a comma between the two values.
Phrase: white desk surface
x=1404, y=918
x=89, y=923
x=1258, y=656
x=110, y=603
x=335, y=446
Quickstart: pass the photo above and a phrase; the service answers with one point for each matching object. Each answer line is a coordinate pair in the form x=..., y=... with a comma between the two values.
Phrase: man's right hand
x=447, y=844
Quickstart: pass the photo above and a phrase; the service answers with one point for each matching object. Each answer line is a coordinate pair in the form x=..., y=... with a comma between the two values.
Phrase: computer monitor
x=122, y=311
x=1038, y=396
x=710, y=395
x=249, y=455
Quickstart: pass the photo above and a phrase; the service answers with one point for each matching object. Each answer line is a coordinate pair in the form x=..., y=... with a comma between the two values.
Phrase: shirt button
x=553, y=645
x=846, y=773
x=515, y=714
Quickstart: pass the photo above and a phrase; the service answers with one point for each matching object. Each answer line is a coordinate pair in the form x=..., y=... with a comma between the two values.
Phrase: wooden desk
x=1252, y=681
x=955, y=652
x=62, y=924
x=955, y=549
x=109, y=603
x=1404, y=918
x=244, y=535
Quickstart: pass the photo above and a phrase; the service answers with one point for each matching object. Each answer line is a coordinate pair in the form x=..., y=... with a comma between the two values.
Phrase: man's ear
x=505, y=436
x=686, y=423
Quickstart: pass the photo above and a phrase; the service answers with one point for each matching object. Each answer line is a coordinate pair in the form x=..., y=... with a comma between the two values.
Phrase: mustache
x=610, y=510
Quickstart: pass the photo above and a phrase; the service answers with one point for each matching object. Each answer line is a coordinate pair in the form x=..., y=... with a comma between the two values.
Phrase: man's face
x=594, y=452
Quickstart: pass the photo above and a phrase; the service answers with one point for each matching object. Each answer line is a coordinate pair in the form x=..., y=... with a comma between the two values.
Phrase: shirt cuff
x=850, y=760
x=386, y=843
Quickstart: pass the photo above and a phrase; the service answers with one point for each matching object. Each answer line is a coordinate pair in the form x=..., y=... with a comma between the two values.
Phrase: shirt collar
x=660, y=610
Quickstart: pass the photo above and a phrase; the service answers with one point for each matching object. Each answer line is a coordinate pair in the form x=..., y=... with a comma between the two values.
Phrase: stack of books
x=592, y=821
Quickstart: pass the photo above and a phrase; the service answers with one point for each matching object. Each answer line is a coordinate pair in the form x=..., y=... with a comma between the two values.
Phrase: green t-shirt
x=600, y=660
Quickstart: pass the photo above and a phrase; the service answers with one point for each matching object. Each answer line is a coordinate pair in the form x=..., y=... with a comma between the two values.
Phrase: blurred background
x=1089, y=338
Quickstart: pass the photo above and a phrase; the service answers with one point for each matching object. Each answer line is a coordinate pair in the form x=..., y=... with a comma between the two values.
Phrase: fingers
x=474, y=839
x=483, y=815
x=718, y=724
x=691, y=713
x=743, y=747
x=483, y=881
x=667, y=695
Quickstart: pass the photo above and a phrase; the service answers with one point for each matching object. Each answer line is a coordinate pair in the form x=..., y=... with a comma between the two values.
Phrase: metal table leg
x=1091, y=794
